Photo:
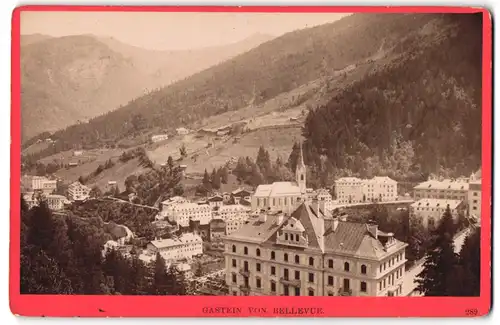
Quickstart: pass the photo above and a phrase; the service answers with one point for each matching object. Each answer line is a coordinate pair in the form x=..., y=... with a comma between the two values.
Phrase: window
x=330, y=280
x=311, y=292
x=296, y=237
x=346, y=266
x=257, y=252
x=311, y=277
x=257, y=267
x=311, y=261
x=245, y=266
x=297, y=275
x=286, y=236
x=297, y=259
x=234, y=262
x=330, y=293
x=363, y=286
x=235, y=293
x=273, y=286
x=273, y=255
x=258, y=282
x=363, y=269
x=234, y=249
x=245, y=250
x=273, y=270
x=234, y=278
x=286, y=290
x=297, y=291
x=347, y=284
x=285, y=257
x=285, y=274
x=330, y=264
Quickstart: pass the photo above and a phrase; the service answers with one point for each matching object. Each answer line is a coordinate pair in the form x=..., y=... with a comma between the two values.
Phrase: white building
x=235, y=223
x=159, y=137
x=349, y=190
x=380, y=189
x=356, y=190
x=174, y=200
x=77, y=153
x=448, y=189
x=310, y=253
x=324, y=195
x=78, y=192
x=230, y=211
x=54, y=202
x=43, y=184
x=182, y=131
x=282, y=196
x=182, y=213
x=474, y=196
x=428, y=212
x=184, y=247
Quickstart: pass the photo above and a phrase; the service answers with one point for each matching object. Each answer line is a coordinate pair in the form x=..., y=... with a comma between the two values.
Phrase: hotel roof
x=348, y=238
x=447, y=184
x=183, y=239
x=435, y=203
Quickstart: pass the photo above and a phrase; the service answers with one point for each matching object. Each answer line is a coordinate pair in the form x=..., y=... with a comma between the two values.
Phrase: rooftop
x=447, y=184
x=324, y=233
x=277, y=189
x=183, y=239
x=436, y=203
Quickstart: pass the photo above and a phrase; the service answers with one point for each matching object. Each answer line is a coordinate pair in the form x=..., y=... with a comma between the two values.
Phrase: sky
x=167, y=30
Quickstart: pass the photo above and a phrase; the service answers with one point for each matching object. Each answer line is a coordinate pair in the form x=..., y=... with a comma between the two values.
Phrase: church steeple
x=300, y=171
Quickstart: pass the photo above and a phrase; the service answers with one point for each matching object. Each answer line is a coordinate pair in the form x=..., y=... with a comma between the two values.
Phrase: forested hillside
x=421, y=114
x=274, y=67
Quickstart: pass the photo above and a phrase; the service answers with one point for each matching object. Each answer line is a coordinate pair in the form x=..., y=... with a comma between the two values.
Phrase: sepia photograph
x=251, y=154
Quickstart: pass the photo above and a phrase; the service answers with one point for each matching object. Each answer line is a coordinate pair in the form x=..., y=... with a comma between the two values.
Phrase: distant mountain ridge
x=67, y=80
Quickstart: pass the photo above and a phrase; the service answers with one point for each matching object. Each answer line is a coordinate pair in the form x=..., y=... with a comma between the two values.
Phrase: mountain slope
x=379, y=82
x=70, y=79
x=272, y=68
x=420, y=115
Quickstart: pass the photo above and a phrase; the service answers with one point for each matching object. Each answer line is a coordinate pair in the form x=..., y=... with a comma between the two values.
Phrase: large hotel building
x=311, y=253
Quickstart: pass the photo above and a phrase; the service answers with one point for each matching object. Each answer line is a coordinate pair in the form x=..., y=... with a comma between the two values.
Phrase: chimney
x=263, y=217
x=372, y=228
x=279, y=219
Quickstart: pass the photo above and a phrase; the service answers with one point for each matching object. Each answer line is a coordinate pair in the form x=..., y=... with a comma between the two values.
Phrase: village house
x=311, y=253
x=217, y=230
x=235, y=223
x=428, y=212
x=474, y=196
x=447, y=189
x=182, y=131
x=78, y=192
x=120, y=233
x=159, y=138
x=215, y=201
x=183, y=247
x=54, y=202
x=226, y=212
x=182, y=213
x=40, y=183
x=356, y=190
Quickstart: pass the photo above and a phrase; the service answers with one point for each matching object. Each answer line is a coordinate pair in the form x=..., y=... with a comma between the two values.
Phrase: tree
x=160, y=285
x=294, y=157
x=440, y=263
x=215, y=180
x=207, y=184
x=95, y=192
x=466, y=279
x=183, y=151
x=170, y=163
x=224, y=175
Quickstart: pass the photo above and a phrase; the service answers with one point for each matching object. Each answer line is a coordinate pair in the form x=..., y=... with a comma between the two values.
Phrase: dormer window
x=311, y=261
x=346, y=266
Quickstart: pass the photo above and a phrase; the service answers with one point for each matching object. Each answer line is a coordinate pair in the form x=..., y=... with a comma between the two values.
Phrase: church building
x=282, y=196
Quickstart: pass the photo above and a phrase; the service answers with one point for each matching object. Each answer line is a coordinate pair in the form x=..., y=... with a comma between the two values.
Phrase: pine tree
x=160, y=285
x=170, y=163
x=224, y=175
x=440, y=263
x=294, y=157
x=469, y=266
x=216, y=179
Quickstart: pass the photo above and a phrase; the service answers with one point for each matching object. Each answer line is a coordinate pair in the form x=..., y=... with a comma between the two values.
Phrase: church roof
x=277, y=189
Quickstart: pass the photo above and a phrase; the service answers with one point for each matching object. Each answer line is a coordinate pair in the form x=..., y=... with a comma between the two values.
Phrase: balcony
x=245, y=288
x=344, y=292
x=288, y=281
x=245, y=272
